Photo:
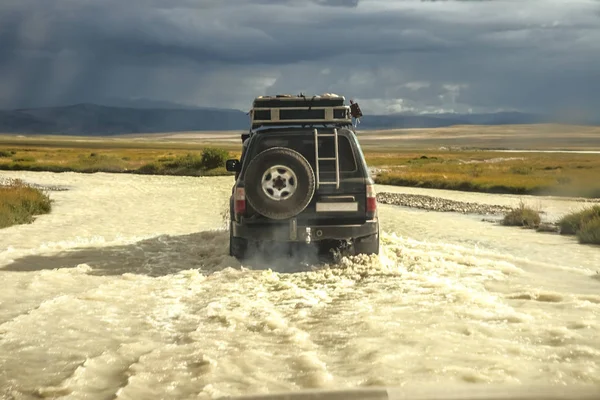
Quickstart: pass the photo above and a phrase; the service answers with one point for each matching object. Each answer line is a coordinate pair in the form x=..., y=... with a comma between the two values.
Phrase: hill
x=92, y=119
x=100, y=120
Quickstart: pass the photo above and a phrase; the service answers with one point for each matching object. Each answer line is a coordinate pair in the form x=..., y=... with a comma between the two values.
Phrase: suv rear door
x=329, y=206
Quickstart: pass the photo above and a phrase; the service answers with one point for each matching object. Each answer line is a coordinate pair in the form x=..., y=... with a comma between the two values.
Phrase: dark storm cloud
x=266, y=32
x=392, y=54
x=331, y=3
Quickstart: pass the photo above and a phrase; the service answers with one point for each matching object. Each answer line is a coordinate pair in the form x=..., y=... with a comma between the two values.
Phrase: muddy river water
x=126, y=290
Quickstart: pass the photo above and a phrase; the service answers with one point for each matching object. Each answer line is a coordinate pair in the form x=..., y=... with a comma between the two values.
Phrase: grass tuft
x=523, y=216
x=20, y=203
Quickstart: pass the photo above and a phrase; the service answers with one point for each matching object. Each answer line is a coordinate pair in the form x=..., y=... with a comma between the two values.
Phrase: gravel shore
x=444, y=205
x=438, y=204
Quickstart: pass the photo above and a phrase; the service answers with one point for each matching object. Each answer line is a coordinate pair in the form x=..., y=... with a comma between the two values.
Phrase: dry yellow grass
x=176, y=161
x=19, y=204
x=523, y=216
x=523, y=137
x=521, y=173
x=410, y=157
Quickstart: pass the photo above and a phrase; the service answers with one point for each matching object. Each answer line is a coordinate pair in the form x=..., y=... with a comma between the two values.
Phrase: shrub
x=522, y=216
x=19, y=203
x=570, y=224
x=590, y=232
x=214, y=158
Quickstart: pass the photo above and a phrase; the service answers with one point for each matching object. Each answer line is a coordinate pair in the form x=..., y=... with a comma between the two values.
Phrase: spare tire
x=279, y=183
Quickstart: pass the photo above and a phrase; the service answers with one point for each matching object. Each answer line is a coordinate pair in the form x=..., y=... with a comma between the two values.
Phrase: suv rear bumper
x=296, y=232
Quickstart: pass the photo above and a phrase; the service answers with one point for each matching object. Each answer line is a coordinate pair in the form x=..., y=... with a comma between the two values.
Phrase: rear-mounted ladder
x=318, y=159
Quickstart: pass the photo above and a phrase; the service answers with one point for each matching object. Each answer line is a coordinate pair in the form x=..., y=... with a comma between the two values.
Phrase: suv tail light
x=239, y=201
x=371, y=200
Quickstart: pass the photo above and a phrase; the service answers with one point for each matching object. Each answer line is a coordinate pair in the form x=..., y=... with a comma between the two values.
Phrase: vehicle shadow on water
x=207, y=251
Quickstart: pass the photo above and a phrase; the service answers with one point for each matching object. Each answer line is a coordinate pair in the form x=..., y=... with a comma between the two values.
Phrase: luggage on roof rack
x=288, y=101
x=326, y=109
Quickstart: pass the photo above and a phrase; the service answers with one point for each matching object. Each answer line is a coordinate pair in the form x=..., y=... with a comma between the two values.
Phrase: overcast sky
x=390, y=55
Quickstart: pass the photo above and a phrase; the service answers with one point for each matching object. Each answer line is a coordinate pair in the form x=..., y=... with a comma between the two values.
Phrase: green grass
x=523, y=216
x=19, y=204
x=585, y=224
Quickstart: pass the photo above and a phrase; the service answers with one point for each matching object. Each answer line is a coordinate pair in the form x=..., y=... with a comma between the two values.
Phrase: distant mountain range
x=153, y=117
x=97, y=120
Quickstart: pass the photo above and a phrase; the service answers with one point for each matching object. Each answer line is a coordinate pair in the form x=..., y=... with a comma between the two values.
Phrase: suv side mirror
x=232, y=165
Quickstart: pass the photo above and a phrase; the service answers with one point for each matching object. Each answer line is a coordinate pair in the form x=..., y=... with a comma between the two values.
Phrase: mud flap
x=367, y=245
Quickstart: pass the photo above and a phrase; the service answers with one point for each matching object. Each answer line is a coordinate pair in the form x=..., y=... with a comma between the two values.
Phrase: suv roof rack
x=300, y=110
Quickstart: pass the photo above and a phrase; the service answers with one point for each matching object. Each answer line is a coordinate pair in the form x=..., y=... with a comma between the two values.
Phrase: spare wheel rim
x=279, y=183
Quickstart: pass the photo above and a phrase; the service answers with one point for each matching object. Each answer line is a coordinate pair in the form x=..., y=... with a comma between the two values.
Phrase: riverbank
x=485, y=171
x=187, y=161
x=585, y=224
x=540, y=174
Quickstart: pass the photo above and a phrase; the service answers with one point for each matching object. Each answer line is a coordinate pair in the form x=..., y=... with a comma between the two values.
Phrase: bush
x=523, y=216
x=214, y=158
x=19, y=204
x=570, y=224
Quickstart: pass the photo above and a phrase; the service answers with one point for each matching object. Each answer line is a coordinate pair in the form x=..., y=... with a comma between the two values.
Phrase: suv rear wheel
x=279, y=183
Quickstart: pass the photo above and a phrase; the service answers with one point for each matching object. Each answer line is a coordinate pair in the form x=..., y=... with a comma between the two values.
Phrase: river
x=126, y=290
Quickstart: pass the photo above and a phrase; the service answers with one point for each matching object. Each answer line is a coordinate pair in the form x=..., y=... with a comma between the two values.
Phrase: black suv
x=302, y=184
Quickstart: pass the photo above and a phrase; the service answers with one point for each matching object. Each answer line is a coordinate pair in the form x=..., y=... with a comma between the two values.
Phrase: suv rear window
x=304, y=144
